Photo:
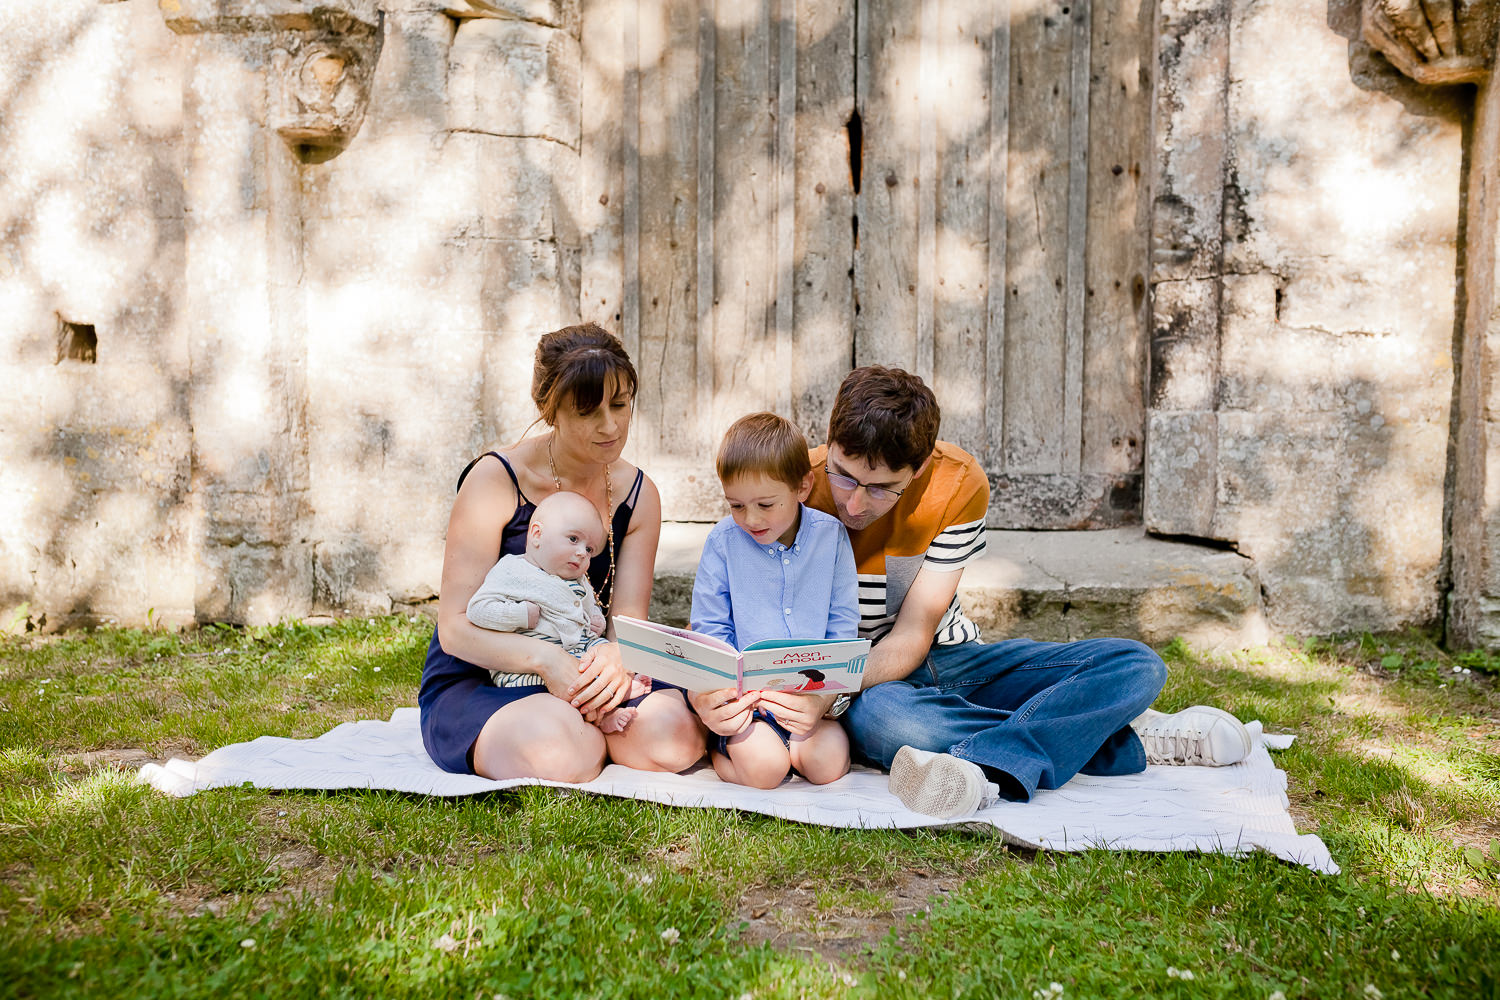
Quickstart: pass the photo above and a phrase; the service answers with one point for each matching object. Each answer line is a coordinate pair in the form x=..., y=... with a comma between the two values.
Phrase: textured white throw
x=1231, y=810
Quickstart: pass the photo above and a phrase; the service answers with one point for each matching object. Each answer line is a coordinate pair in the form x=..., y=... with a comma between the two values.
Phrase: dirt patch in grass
x=800, y=917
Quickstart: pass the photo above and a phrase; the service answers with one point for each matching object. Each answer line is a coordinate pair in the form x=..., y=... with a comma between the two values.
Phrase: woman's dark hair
x=575, y=364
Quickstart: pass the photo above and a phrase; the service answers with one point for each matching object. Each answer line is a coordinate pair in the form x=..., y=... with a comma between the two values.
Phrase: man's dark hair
x=885, y=416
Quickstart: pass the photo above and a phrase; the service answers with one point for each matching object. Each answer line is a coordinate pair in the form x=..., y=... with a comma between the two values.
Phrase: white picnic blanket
x=1230, y=810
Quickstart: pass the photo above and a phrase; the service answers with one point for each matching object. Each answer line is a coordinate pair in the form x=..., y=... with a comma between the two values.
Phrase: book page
x=678, y=656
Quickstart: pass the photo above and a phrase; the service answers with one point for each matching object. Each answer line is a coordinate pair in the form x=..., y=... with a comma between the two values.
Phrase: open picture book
x=702, y=663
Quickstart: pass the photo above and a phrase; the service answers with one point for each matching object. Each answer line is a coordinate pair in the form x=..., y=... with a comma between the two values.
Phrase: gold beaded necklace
x=609, y=521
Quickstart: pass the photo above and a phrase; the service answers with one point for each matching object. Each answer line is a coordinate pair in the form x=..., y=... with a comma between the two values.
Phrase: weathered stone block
x=1337, y=178
x=529, y=288
x=523, y=189
x=1185, y=345
x=1193, y=58
x=254, y=584
x=408, y=95
x=1181, y=472
x=1344, y=520
x=515, y=78
x=1266, y=365
x=553, y=13
x=407, y=182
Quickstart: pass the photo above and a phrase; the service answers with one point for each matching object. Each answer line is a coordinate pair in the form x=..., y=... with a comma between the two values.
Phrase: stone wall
x=95, y=508
x=257, y=309
x=1304, y=257
x=248, y=354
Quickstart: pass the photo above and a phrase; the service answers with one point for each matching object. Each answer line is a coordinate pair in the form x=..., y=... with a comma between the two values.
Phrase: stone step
x=1061, y=585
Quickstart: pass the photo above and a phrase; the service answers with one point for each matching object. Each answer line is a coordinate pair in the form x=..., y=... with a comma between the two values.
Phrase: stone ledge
x=1062, y=585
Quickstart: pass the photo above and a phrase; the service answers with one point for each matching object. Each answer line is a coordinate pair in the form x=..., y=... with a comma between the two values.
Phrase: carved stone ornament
x=322, y=92
x=1434, y=41
x=322, y=54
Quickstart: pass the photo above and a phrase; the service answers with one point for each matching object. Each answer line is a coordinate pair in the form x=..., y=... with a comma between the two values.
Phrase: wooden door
x=773, y=193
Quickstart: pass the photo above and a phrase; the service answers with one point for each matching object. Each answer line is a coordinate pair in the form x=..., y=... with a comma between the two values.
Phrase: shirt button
x=786, y=610
x=786, y=562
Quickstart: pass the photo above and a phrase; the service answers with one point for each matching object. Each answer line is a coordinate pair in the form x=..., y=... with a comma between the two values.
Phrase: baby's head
x=565, y=534
x=764, y=468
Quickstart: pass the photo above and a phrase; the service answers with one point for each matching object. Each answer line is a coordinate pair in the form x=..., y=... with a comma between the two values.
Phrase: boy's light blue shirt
x=745, y=592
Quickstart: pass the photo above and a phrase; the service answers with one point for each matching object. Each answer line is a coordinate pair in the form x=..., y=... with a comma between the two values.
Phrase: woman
x=584, y=387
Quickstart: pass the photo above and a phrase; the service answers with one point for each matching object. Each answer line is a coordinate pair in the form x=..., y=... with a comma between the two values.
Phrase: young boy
x=545, y=592
x=772, y=569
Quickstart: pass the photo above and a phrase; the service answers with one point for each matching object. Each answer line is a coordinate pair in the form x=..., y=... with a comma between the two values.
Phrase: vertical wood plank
x=706, y=346
x=1036, y=245
x=927, y=188
x=601, y=167
x=1116, y=311
x=885, y=266
x=667, y=228
x=960, y=253
x=995, y=363
x=630, y=204
x=823, y=248
x=786, y=216
x=745, y=188
x=1078, y=172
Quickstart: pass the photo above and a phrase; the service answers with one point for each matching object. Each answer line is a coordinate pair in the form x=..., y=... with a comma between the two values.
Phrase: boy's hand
x=597, y=624
x=799, y=713
x=533, y=613
x=724, y=711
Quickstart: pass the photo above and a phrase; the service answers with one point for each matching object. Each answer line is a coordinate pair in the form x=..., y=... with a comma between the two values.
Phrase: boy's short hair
x=885, y=416
x=764, y=443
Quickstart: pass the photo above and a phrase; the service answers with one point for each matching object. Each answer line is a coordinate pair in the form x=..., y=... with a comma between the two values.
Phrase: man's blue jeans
x=1039, y=712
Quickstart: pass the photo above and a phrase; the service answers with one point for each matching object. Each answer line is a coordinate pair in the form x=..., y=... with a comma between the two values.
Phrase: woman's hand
x=602, y=682
x=798, y=713
x=725, y=711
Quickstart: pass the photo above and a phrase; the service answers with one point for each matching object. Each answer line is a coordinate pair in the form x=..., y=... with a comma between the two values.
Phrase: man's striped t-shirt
x=938, y=523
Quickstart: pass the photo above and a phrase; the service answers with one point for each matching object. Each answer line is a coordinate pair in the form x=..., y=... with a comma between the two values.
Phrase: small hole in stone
x=77, y=342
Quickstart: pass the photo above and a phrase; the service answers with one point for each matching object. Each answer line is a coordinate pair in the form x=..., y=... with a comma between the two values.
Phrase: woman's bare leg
x=664, y=736
x=539, y=737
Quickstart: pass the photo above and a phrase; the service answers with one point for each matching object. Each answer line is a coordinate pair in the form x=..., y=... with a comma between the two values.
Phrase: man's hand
x=725, y=711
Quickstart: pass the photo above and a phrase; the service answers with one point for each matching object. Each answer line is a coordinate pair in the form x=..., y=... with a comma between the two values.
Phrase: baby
x=545, y=592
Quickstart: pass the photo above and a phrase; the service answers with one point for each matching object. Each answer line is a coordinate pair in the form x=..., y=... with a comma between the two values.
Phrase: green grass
x=110, y=889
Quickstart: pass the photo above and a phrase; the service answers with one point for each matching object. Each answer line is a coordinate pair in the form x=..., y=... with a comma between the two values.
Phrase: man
x=959, y=722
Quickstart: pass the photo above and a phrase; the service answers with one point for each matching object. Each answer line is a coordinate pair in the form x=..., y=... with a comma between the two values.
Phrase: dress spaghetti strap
x=508, y=471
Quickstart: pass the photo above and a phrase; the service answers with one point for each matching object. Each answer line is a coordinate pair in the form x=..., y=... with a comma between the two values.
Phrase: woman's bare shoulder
x=648, y=501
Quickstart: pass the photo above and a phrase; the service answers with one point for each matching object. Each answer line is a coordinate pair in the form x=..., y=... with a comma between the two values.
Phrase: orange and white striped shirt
x=937, y=524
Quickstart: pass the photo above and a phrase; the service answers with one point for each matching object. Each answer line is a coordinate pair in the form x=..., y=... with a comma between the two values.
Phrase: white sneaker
x=1197, y=735
x=940, y=784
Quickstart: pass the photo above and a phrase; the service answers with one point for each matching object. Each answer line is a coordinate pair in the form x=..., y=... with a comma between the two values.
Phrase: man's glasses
x=880, y=494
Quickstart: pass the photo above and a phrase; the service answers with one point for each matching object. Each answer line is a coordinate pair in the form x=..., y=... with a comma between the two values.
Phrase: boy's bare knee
x=760, y=770
x=823, y=771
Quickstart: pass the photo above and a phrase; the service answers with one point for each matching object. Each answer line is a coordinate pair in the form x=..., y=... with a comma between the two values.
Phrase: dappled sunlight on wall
x=94, y=451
